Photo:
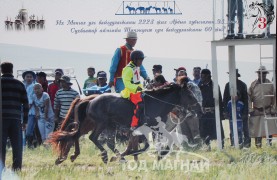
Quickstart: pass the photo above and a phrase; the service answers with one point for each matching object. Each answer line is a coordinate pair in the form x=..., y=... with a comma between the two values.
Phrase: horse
x=131, y=9
x=106, y=110
x=157, y=9
x=165, y=10
x=170, y=10
x=147, y=10
x=141, y=9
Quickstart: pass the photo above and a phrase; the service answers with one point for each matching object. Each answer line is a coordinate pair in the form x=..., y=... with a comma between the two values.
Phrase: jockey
x=133, y=87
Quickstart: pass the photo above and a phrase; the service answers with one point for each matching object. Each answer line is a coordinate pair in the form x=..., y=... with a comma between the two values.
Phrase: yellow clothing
x=130, y=77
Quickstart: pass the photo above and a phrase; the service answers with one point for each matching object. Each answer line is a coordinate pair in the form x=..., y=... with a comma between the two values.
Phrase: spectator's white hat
x=131, y=35
x=262, y=69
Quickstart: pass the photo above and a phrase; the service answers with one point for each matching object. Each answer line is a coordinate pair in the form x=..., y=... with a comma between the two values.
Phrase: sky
x=61, y=19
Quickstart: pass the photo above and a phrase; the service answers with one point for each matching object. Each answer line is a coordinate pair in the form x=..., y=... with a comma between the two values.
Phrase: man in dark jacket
x=207, y=123
x=14, y=100
x=242, y=90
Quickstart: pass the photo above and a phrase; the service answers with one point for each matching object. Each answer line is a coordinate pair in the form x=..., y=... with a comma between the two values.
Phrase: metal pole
x=216, y=96
x=214, y=3
x=1, y=125
x=233, y=91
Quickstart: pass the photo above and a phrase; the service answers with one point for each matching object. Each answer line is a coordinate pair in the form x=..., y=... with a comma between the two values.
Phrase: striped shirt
x=14, y=98
x=63, y=100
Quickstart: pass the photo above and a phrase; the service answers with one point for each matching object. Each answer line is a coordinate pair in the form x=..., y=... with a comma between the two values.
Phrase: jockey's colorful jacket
x=131, y=79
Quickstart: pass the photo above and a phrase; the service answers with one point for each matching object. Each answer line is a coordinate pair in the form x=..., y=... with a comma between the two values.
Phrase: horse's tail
x=68, y=131
x=65, y=132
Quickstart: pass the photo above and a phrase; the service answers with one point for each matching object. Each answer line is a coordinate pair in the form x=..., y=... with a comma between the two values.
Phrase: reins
x=165, y=102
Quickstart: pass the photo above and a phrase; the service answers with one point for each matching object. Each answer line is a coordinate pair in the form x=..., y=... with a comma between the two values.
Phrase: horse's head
x=187, y=99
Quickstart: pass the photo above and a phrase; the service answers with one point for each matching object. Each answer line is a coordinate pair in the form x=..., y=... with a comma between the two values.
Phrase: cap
x=206, y=71
x=102, y=75
x=66, y=79
x=180, y=68
x=262, y=69
x=157, y=67
x=29, y=72
x=131, y=35
x=59, y=71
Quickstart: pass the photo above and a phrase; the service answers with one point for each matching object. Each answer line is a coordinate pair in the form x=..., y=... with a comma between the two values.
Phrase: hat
x=206, y=71
x=131, y=35
x=262, y=69
x=59, y=71
x=29, y=72
x=157, y=67
x=180, y=68
x=237, y=72
x=102, y=75
x=66, y=79
x=41, y=74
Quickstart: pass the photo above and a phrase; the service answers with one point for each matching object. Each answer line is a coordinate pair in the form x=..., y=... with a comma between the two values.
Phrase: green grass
x=229, y=163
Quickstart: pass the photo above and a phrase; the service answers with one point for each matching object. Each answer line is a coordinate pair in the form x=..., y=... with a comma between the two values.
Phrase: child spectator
x=41, y=79
x=91, y=80
x=55, y=86
x=239, y=111
x=44, y=112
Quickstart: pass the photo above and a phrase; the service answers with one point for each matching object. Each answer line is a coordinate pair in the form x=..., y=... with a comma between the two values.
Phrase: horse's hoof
x=104, y=157
x=114, y=158
x=72, y=158
x=58, y=161
x=123, y=160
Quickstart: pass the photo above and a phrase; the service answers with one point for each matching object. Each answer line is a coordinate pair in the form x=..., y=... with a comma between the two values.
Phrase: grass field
x=229, y=163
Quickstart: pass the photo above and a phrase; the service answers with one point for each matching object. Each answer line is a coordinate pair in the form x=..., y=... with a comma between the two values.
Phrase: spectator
x=157, y=69
x=190, y=125
x=242, y=90
x=63, y=99
x=207, y=123
x=177, y=71
x=239, y=112
x=41, y=78
x=235, y=8
x=120, y=59
x=44, y=112
x=196, y=75
x=14, y=97
x=101, y=87
x=154, y=83
x=261, y=106
x=29, y=77
x=55, y=86
x=91, y=80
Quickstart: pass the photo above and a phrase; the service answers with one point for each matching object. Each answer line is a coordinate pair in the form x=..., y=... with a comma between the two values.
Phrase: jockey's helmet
x=137, y=54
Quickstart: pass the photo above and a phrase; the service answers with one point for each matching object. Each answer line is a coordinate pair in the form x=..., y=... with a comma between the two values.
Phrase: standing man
x=196, y=75
x=235, y=8
x=261, y=105
x=14, y=99
x=207, y=123
x=120, y=59
x=63, y=99
x=242, y=90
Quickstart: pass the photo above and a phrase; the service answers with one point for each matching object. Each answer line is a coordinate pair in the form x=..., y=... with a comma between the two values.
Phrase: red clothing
x=135, y=98
x=124, y=60
x=52, y=89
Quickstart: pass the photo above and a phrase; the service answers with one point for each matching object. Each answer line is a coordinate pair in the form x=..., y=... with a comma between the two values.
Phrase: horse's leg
x=111, y=143
x=76, y=152
x=94, y=138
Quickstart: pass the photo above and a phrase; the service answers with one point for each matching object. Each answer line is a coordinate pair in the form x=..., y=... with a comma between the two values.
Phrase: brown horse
x=107, y=110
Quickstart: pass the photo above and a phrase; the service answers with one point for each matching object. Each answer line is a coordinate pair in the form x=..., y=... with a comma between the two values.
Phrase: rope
x=144, y=94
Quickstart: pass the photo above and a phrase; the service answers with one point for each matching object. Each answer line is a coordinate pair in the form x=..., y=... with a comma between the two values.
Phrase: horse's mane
x=164, y=90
